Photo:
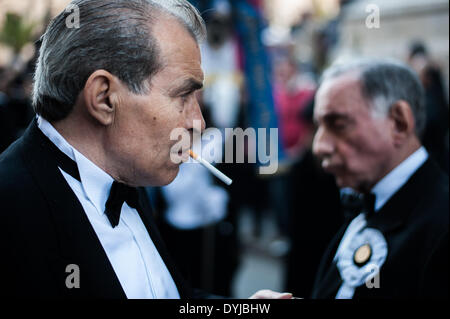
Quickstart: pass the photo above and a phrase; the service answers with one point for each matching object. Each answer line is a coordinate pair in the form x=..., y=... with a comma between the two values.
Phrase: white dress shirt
x=130, y=250
x=383, y=191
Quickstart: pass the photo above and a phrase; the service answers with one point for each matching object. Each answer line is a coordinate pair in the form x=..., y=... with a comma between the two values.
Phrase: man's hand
x=270, y=294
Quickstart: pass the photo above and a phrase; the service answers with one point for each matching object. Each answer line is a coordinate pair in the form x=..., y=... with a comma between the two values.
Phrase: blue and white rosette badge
x=361, y=261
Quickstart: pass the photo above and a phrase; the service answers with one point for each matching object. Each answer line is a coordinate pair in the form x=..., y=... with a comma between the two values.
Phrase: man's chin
x=170, y=176
x=161, y=179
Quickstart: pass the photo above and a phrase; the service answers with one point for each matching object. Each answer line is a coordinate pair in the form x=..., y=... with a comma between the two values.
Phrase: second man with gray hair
x=370, y=116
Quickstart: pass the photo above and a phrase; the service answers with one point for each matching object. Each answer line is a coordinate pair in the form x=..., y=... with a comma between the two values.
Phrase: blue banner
x=249, y=25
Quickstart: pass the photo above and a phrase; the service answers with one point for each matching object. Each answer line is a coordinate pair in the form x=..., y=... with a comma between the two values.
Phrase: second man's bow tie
x=119, y=194
x=355, y=203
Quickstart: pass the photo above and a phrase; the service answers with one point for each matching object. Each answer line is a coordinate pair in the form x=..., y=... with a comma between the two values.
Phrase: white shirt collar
x=95, y=182
x=396, y=178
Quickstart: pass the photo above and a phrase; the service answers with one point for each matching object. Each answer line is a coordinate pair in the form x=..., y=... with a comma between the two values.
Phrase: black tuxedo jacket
x=415, y=225
x=45, y=229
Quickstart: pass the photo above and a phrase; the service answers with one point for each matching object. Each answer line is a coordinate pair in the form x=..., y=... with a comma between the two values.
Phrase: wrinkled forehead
x=340, y=94
x=178, y=47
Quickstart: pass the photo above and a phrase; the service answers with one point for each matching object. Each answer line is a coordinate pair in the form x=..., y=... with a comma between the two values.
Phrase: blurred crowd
x=15, y=107
x=199, y=217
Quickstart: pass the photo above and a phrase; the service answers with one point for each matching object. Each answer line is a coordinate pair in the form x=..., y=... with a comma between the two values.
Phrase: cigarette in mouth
x=211, y=168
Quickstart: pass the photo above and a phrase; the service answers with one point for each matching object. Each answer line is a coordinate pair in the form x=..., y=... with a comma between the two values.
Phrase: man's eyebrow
x=331, y=117
x=335, y=116
x=189, y=85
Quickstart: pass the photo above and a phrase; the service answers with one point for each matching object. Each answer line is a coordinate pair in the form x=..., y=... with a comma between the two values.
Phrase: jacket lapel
x=328, y=278
x=78, y=243
x=398, y=208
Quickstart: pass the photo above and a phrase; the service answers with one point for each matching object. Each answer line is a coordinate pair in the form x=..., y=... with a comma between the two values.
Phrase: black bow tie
x=355, y=203
x=119, y=194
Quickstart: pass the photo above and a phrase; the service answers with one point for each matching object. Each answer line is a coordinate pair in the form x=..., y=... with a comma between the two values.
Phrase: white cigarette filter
x=211, y=168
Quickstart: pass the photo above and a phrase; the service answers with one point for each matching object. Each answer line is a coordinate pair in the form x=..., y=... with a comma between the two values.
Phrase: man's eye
x=338, y=125
x=185, y=97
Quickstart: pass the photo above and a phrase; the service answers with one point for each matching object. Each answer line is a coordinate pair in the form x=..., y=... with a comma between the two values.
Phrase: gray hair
x=384, y=82
x=114, y=35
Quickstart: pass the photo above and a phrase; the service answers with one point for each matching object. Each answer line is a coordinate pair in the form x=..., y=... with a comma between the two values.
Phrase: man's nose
x=323, y=144
x=194, y=116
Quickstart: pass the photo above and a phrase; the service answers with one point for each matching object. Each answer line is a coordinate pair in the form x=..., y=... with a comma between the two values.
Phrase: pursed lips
x=331, y=167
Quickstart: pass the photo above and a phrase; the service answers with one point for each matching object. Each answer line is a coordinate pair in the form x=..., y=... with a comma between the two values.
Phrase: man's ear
x=403, y=121
x=99, y=95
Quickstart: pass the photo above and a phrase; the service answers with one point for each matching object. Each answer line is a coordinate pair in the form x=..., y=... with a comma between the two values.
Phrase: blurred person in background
x=370, y=116
x=292, y=93
x=15, y=103
x=435, y=137
x=6, y=132
x=314, y=216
